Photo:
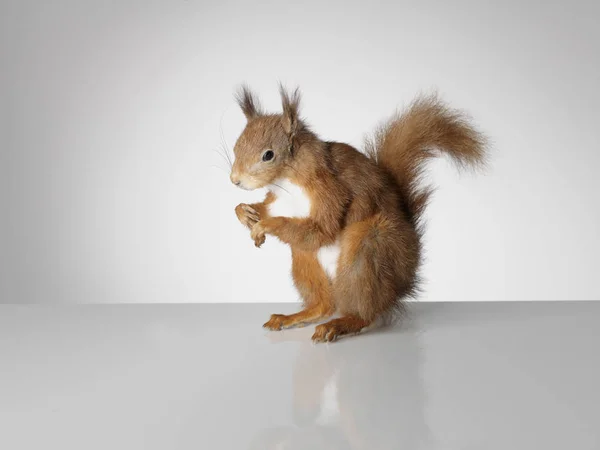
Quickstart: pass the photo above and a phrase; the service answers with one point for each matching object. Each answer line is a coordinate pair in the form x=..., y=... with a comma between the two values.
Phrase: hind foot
x=300, y=319
x=336, y=328
x=281, y=322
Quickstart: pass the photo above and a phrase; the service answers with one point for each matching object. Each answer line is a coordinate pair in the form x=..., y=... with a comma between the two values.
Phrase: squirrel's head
x=264, y=150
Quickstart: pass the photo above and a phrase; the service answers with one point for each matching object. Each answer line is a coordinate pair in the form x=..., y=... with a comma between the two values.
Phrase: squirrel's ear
x=291, y=108
x=248, y=102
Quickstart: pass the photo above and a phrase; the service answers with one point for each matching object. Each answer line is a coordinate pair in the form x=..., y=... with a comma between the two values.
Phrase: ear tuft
x=291, y=109
x=248, y=102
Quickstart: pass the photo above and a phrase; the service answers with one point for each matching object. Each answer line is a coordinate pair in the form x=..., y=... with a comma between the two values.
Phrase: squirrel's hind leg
x=300, y=319
x=314, y=287
x=376, y=269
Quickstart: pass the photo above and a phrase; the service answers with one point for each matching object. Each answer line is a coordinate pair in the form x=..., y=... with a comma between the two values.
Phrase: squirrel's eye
x=268, y=155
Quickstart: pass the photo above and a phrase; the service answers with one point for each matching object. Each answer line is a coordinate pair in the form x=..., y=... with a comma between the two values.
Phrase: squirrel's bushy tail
x=408, y=140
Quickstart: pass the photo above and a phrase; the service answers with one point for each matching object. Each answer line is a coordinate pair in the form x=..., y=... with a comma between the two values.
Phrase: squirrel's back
x=372, y=188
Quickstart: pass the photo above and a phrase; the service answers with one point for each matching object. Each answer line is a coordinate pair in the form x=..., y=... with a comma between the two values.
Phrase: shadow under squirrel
x=352, y=219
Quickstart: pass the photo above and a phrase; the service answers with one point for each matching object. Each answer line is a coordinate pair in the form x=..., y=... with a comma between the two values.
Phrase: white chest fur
x=291, y=201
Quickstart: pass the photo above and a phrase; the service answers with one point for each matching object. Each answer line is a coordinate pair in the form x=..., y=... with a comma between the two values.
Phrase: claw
x=251, y=212
x=258, y=234
x=326, y=333
x=249, y=209
x=275, y=323
x=250, y=222
x=247, y=215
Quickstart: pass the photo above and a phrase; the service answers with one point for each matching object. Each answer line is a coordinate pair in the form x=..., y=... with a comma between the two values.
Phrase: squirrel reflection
x=361, y=393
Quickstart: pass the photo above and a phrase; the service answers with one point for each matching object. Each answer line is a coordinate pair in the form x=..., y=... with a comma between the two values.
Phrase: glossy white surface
x=453, y=376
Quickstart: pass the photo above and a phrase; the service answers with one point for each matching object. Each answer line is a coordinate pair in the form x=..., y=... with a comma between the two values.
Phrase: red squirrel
x=353, y=220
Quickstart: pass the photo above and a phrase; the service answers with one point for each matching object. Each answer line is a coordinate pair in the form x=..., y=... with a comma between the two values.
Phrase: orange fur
x=370, y=203
x=315, y=289
x=334, y=329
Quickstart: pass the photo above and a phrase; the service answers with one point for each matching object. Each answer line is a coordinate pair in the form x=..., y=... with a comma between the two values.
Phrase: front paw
x=247, y=215
x=258, y=234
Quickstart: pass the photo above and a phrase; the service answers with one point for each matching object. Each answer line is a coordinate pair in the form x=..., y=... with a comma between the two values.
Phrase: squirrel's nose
x=234, y=179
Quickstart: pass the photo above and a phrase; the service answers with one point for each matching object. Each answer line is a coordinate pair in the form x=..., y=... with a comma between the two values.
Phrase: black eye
x=268, y=155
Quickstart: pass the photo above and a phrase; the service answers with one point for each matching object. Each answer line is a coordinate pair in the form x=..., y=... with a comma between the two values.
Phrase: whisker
x=281, y=187
x=226, y=151
x=223, y=141
x=220, y=168
x=222, y=156
x=224, y=148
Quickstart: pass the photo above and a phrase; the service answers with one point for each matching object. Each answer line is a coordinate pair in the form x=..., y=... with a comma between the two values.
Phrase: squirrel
x=353, y=219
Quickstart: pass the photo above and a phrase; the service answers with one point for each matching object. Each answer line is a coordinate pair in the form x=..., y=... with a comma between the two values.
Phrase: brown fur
x=372, y=203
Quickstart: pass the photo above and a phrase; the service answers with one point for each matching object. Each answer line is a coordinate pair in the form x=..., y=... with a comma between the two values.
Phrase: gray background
x=110, y=112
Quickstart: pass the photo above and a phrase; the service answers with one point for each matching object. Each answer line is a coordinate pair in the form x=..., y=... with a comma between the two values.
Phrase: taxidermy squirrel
x=353, y=220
